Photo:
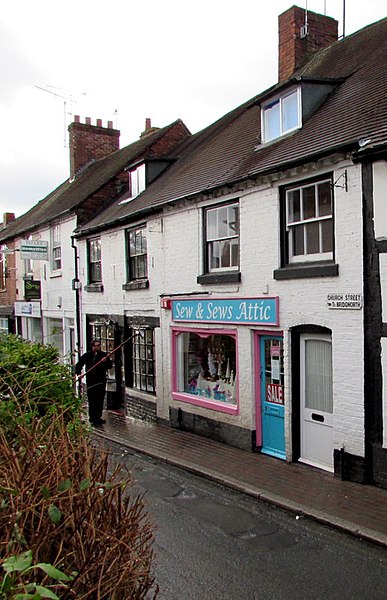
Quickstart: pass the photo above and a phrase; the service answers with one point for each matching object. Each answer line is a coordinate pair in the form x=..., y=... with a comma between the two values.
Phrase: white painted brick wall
x=175, y=261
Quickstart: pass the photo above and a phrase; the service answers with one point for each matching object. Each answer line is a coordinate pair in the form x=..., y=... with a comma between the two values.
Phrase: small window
x=137, y=254
x=222, y=237
x=281, y=115
x=206, y=369
x=3, y=272
x=56, y=256
x=140, y=360
x=94, y=261
x=137, y=181
x=309, y=222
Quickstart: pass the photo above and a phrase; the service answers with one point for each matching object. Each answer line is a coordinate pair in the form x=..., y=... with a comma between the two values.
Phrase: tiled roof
x=68, y=196
x=229, y=151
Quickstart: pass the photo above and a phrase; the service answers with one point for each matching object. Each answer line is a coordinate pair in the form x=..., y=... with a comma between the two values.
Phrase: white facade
x=175, y=260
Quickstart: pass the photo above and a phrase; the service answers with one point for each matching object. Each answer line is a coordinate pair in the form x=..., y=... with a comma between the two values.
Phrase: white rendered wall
x=380, y=199
x=175, y=261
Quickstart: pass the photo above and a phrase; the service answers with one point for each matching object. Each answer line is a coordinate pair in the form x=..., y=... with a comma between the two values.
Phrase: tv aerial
x=68, y=100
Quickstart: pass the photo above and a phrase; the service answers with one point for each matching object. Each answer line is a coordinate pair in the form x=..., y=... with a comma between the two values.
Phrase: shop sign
x=31, y=290
x=27, y=309
x=275, y=393
x=33, y=250
x=247, y=311
x=345, y=301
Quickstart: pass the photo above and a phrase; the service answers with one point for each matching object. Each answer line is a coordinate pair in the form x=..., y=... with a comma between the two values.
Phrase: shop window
x=104, y=332
x=206, y=369
x=55, y=334
x=3, y=326
x=94, y=260
x=140, y=360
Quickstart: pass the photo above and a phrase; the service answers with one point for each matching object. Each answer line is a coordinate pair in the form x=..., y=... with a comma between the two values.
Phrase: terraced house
x=247, y=280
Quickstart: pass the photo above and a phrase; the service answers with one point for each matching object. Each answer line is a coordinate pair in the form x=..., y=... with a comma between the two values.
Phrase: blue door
x=272, y=396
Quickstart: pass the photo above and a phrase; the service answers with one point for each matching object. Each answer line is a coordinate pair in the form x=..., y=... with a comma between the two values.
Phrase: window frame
x=137, y=180
x=132, y=275
x=305, y=222
x=218, y=406
x=220, y=238
x=134, y=361
x=56, y=244
x=280, y=100
x=3, y=272
x=92, y=279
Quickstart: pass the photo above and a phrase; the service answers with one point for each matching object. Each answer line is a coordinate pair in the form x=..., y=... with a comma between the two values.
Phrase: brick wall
x=294, y=50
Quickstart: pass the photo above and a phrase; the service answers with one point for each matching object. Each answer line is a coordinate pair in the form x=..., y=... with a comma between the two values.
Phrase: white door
x=316, y=400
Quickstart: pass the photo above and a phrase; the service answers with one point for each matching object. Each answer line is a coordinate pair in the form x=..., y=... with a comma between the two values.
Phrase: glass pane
x=289, y=112
x=233, y=220
x=212, y=220
x=225, y=254
x=207, y=366
x=294, y=206
x=312, y=238
x=223, y=228
x=324, y=199
x=327, y=235
x=95, y=272
x=271, y=122
x=234, y=252
x=141, y=178
x=298, y=240
x=318, y=375
x=214, y=255
x=308, y=202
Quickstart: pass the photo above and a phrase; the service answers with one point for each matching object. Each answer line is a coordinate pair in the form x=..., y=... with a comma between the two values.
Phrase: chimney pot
x=148, y=124
x=110, y=124
x=88, y=121
x=99, y=122
x=90, y=142
x=77, y=119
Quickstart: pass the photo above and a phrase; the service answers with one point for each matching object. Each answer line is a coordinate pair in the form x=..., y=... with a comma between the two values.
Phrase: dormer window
x=137, y=181
x=281, y=115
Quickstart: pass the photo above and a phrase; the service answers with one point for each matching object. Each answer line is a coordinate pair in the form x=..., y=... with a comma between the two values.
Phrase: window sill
x=306, y=270
x=231, y=409
x=54, y=274
x=94, y=287
x=140, y=284
x=215, y=278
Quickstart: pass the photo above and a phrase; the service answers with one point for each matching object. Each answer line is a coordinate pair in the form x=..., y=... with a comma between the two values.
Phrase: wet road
x=214, y=543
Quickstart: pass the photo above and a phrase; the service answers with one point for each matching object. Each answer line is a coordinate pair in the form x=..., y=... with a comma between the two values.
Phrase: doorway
x=272, y=396
x=316, y=400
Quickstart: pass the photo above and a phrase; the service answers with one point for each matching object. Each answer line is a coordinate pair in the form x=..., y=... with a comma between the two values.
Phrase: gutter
x=76, y=285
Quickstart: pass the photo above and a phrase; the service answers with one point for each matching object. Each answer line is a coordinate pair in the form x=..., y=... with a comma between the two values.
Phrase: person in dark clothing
x=96, y=364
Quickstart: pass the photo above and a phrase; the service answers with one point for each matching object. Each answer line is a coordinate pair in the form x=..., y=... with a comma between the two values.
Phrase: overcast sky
x=125, y=60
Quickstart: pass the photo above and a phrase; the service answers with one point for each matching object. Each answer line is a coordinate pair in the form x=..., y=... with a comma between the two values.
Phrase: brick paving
x=357, y=509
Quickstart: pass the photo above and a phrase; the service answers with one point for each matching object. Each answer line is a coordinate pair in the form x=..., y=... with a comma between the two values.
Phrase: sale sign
x=275, y=393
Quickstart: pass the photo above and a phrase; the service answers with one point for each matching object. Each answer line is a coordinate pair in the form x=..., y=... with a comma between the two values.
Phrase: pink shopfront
x=206, y=369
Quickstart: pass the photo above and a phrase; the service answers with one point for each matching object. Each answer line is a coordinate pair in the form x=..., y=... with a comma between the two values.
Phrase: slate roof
x=228, y=151
x=69, y=195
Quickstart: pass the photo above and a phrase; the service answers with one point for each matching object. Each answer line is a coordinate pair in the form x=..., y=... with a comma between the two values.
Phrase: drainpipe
x=76, y=285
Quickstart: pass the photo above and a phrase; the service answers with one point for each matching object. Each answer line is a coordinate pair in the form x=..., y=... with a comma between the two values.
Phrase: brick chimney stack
x=301, y=33
x=148, y=128
x=89, y=142
x=8, y=217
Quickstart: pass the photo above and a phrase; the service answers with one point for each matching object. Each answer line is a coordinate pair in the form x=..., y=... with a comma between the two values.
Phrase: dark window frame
x=91, y=274
x=311, y=268
x=134, y=272
x=137, y=358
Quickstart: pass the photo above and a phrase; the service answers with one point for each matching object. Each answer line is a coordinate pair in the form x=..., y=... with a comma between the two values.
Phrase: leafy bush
x=60, y=504
x=31, y=376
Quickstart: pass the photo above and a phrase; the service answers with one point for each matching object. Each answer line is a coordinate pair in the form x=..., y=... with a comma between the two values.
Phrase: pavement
x=360, y=510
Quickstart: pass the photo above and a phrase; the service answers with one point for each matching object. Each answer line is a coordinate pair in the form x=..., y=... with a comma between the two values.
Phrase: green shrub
x=31, y=376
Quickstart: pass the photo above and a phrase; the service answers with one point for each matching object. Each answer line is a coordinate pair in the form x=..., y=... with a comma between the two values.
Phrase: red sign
x=275, y=393
x=275, y=351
